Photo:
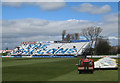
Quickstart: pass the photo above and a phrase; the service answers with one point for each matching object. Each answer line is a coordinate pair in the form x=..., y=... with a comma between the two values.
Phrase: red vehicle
x=85, y=65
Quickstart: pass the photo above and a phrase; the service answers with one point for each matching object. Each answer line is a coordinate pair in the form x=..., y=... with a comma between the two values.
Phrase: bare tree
x=91, y=33
x=71, y=36
x=68, y=37
x=76, y=36
x=63, y=35
x=98, y=30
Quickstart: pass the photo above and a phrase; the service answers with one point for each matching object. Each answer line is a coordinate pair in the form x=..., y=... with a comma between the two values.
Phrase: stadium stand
x=36, y=49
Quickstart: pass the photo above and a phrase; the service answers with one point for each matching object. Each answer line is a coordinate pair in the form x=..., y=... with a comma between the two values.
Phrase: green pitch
x=50, y=69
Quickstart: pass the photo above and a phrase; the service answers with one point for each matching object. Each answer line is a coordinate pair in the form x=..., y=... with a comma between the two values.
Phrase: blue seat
x=44, y=46
x=35, y=46
x=63, y=51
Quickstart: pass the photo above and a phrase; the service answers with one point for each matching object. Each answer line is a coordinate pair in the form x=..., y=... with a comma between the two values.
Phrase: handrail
x=81, y=48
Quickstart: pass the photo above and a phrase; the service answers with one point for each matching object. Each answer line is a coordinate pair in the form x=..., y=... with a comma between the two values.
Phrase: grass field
x=50, y=69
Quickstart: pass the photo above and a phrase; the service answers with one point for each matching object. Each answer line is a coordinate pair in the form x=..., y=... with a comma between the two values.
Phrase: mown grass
x=50, y=69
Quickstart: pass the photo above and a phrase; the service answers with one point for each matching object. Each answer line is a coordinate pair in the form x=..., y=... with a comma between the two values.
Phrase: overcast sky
x=44, y=21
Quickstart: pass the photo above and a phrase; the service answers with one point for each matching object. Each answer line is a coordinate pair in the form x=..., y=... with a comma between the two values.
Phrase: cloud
x=12, y=4
x=114, y=40
x=36, y=29
x=110, y=24
x=31, y=29
x=92, y=9
x=50, y=5
x=32, y=0
x=42, y=27
x=45, y=6
x=113, y=37
x=113, y=18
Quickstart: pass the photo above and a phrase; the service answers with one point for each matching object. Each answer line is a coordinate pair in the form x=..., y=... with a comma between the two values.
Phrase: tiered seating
x=50, y=49
x=83, y=47
x=70, y=48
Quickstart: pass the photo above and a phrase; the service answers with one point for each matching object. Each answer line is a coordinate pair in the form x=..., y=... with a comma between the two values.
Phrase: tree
x=6, y=48
x=115, y=50
x=68, y=37
x=76, y=36
x=98, y=30
x=118, y=51
x=72, y=36
x=63, y=35
x=92, y=34
x=102, y=46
